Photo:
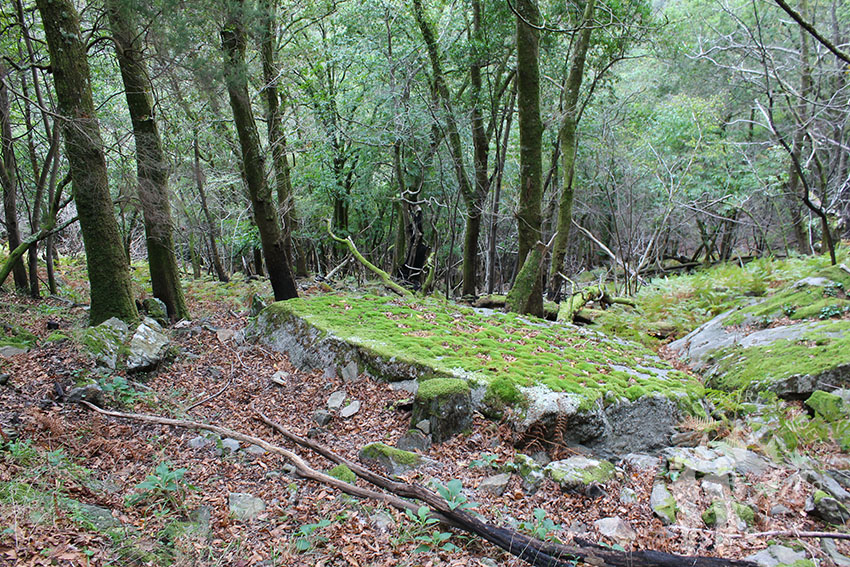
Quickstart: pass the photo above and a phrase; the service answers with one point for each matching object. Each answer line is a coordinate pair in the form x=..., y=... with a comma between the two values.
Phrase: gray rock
x=627, y=495
x=494, y=485
x=828, y=484
x=9, y=351
x=640, y=461
x=487, y=562
x=229, y=445
x=577, y=473
x=255, y=450
x=105, y=342
x=336, y=399
x=156, y=310
x=410, y=386
x=699, y=461
x=91, y=393
x=713, y=489
x=4, y=378
x=827, y=508
x=829, y=547
x=616, y=529
x=776, y=556
x=424, y=426
x=414, y=440
x=663, y=504
x=100, y=517
x=383, y=522
x=529, y=471
x=746, y=462
x=842, y=477
x=813, y=281
x=350, y=372
x=394, y=461
x=256, y=305
x=448, y=409
x=778, y=510
x=147, y=346
x=350, y=409
x=245, y=506
x=199, y=442
x=279, y=378
x=322, y=417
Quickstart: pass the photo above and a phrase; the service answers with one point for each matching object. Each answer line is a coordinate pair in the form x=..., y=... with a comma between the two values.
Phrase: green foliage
x=120, y=390
x=541, y=527
x=452, y=492
x=164, y=485
x=484, y=460
x=308, y=535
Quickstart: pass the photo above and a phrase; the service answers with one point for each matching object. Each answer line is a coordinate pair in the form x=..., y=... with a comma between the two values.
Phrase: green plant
x=120, y=390
x=306, y=537
x=484, y=460
x=436, y=540
x=22, y=452
x=788, y=309
x=454, y=496
x=421, y=528
x=164, y=484
x=542, y=527
x=831, y=311
x=832, y=289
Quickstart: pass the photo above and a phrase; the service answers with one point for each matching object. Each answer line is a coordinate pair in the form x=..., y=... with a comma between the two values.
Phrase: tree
x=8, y=177
x=265, y=210
x=151, y=163
x=111, y=294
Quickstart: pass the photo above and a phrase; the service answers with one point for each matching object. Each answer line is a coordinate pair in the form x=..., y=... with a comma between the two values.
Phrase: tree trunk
x=111, y=294
x=8, y=176
x=526, y=295
x=567, y=135
x=212, y=229
x=530, y=128
x=265, y=210
x=151, y=164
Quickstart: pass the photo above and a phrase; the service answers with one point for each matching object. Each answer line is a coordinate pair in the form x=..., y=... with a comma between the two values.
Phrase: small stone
x=52, y=325
x=322, y=417
x=424, y=426
x=350, y=409
x=414, y=440
x=10, y=351
x=330, y=372
x=314, y=432
x=494, y=485
x=383, y=522
x=199, y=442
x=487, y=562
x=147, y=347
x=716, y=515
x=279, y=378
x=663, y=504
x=350, y=372
x=640, y=461
x=712, y=490
x=4, y=378
x=829, y=547
x=777, y=555
x=336, y=399
x=577, y=473
x=255, y=450
x=628, y=496
x=224, y=335
x=245, y=506
x=410, y=386
x=91, y=393
x=229, y=445
x=156, y=310
x=780, y=510
x=827, y=508
x=616, y=528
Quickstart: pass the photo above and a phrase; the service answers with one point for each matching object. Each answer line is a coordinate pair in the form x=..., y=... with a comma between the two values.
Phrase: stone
x=279, y=378
x=829, y=547
x=147, y=346
x=529, y=471
x=746, y=514
x=383, y=522
x=393, y=461
x=494, y=485
x=410, y=386
x=100, y=517
x=91, y=393
x=4, y=378
x=350, y=409
x=829, y=406
x=778, y=510
x=255, y=450
x=627, y=495
x=256, y=305
x=322, y=417
x=336, y=399
x=640, y=461
x=414, y=440
x=156, y=310
x=245, y=506
x=745, y=462
x=9, y=351
x=224, y=335
x=828, y=484
x=105, y=342
x=199, y=442
x=716, y=515
x=424, y=426
x=617, y=529
x=446, y=403
x=229, y=445
x=777, y=556
x=827, y=508
x=350, y=372
x=699, y=461
x=663, y=504
x=714, y=488
x=577, y=473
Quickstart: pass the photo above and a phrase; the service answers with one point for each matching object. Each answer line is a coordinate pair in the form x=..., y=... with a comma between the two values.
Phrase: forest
x=291, y=283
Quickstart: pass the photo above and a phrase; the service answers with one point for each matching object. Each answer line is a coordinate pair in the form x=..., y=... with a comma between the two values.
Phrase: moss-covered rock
x=715, y=516
x=394, y=461
x=829, y=406
x=106, y=342
x=446, y=404
x=744, y=513
x=663, y=503
x=577, y=473
x=343, y=473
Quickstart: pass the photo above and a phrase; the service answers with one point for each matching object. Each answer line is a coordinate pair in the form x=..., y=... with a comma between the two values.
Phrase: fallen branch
x=572, y=305
x=771, y=533
x=385, y=277
x=531, y=550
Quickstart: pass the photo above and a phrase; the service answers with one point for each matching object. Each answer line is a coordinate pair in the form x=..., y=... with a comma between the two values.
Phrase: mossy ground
x=487, y=347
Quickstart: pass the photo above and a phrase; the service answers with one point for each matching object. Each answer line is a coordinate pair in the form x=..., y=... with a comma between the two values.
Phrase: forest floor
x=65, y=453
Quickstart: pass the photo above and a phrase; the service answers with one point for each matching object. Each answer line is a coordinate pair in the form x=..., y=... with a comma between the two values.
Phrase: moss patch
x=453, y=341
x=829, y=406
x=378, y=451
x=343, y=473
x=441, y=387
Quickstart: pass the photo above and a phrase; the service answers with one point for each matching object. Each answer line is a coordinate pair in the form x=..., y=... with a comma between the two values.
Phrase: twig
x=212, y=397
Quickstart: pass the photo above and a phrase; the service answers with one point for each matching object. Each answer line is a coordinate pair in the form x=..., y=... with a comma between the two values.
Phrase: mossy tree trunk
x=152, y=166
x=526, y=295
x=265, y=209
x=8, y=177
x=530, y=129
x=111, y=294
x=568, y=142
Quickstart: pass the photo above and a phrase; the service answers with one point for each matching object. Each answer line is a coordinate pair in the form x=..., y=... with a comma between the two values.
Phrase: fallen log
x=572, y=305
x=533, y=551
x=385, y=277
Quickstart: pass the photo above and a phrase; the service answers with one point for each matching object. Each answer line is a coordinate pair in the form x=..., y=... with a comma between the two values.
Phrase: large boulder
x=147, y=347
x=105, y=342
x=111, y=344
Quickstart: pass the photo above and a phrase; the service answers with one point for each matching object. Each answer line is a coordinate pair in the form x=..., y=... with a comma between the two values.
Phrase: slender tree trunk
x=497, y=194
x=567, y=135
x=212, y=228
x=8, y=176
x=151, y=164
x=111, y=294
x=265, y=210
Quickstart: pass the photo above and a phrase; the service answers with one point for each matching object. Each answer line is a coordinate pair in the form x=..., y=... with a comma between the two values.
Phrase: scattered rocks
x=778, y=556
x=663, y=504
x=617, y=529
x=255, y=450
x=414, y=440
x=245, y=506
x=494, y=485
x=640, y=461
x=350, y=409
x=336, y=399
x=383, y=522
x=322, y=417
x=577, y=473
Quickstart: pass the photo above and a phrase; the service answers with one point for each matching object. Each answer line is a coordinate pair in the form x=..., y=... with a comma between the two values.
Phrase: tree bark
x=212, y=229
x=152, y=166
x=111, y=294
x=567, y=136
x=9, y=179
x=265, y=210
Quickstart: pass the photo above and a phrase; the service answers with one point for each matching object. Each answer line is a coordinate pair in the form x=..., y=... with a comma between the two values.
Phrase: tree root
x=533, y=551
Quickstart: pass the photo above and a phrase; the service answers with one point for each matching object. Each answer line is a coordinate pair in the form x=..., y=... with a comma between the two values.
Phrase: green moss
x=379, y=450
x=820, y=495
x=441, y=387
x=715, y=515
x=343, y=473
x=829, y=406
x=635, y=392
x=745, y=513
